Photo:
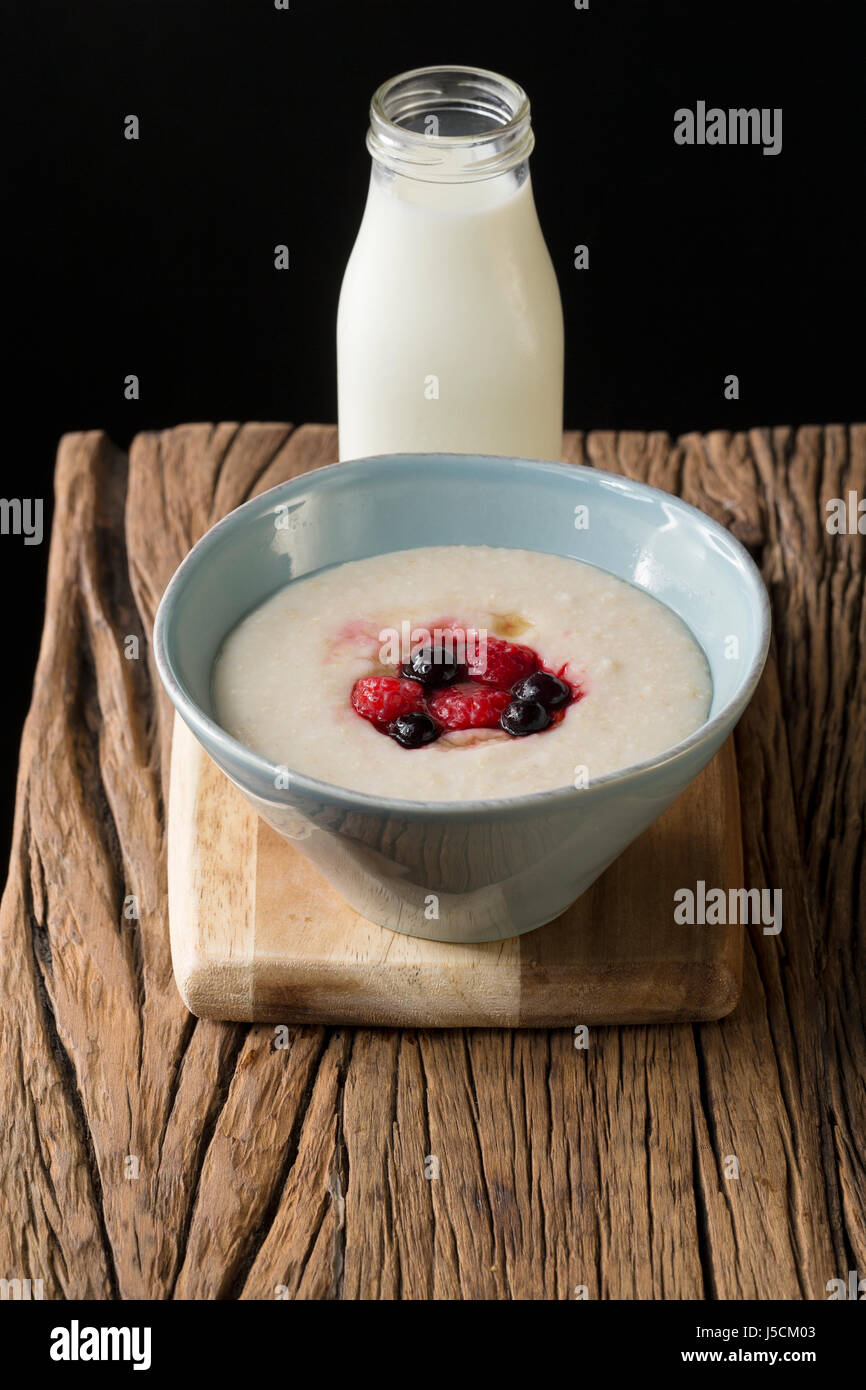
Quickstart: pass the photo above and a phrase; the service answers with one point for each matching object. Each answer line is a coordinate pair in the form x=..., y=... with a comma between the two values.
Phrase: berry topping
x=468, y=707
x=506, y=663
x=383, y=699
x=546, y=689
x=524, y=717
x=458, y=679
x=432, y=666
x=414, y=730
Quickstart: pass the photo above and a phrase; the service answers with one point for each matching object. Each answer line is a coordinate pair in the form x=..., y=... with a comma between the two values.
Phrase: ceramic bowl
x=498, y=867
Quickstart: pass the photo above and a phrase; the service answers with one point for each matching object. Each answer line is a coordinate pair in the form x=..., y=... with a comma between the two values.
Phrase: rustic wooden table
x=148, y=1154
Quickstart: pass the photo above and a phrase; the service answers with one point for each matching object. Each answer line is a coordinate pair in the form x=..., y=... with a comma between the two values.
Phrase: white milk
x=449, y=332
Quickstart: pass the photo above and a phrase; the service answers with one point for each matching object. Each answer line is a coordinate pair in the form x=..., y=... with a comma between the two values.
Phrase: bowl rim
x=208, y=732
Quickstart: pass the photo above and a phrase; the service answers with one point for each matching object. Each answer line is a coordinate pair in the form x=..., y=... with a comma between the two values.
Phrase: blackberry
x=431, y=666
x=414, y=730
x=544, y=688
x=520, y=718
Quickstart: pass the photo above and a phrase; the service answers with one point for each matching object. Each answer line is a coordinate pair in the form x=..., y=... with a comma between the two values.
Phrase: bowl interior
x=366, y=507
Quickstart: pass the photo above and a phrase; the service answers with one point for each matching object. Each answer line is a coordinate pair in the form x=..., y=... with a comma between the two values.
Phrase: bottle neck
x=448, y=125
x=390, y=189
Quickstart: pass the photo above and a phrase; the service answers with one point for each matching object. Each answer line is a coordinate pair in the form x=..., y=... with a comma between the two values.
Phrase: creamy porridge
x=313, y=681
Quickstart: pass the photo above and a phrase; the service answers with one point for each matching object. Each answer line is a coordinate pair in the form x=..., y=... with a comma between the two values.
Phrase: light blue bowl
x=497, y=867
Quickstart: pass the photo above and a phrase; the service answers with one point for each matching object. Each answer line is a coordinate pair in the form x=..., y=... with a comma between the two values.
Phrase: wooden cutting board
x=258, y=935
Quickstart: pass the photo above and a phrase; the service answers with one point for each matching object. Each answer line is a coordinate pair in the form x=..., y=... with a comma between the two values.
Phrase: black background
x=155, y=257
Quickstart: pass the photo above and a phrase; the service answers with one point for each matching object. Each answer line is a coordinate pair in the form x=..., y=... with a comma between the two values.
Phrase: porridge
x=454, y=673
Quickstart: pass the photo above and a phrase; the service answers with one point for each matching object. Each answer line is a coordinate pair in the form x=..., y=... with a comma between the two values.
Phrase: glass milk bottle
x=449, y=331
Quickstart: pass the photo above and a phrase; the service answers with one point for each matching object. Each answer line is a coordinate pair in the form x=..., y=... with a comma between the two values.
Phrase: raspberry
x=468, y=707
x=382, y=699
x=507, y=662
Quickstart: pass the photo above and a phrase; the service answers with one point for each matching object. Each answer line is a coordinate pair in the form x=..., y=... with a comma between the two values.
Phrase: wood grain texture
x=257, y=935
x=300, y=1162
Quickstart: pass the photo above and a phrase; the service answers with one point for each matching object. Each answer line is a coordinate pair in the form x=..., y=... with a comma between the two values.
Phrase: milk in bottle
x=449, y=332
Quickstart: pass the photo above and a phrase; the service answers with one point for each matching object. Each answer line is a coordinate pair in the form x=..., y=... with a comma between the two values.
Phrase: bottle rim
x=479, y=94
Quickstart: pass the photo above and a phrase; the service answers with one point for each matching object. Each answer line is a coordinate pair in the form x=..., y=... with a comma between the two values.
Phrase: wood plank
x=305, y=1167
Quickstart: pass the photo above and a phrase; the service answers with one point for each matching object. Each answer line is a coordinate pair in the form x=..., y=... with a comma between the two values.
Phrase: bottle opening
x=450, y=124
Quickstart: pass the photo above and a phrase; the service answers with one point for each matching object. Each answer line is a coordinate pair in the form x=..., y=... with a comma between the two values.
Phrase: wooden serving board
x=257, y=934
